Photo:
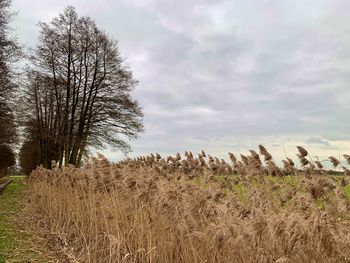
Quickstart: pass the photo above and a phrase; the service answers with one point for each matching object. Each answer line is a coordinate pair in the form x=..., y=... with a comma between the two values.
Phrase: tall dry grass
x=154, y=209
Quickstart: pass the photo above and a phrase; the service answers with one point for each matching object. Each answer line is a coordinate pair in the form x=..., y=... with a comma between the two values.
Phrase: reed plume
x=265, y=153
x=347, y=158
x=302, y=151
x=335, y=162
x=319, y=164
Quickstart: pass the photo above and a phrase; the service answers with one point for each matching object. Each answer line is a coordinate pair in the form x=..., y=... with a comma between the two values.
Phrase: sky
x=226, y=75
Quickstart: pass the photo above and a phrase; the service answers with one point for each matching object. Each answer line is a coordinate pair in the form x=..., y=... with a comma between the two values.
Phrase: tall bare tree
x=9, y=53
x=7, y=159
x=78, y=91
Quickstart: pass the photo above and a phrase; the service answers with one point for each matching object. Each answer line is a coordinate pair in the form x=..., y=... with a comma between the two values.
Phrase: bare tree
x=9, y=53
x=7, y=125
x=78, y=91
x=29, y=156
x=7, y=159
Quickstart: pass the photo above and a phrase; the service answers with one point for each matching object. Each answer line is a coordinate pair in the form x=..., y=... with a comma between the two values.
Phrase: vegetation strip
x=16, y=244
x=4, y=182
x=195, y=209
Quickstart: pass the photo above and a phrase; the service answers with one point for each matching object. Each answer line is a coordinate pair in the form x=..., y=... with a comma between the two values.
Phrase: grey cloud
x=224, y=75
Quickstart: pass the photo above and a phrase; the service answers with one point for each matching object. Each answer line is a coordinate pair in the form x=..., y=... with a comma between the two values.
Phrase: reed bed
x=196, y=208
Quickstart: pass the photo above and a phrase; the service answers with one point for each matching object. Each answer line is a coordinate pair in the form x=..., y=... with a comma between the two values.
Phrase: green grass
x=241, y=190
x=16, y=244
x=199, y=181
x=291, y=180
x=320, y=203
x=288, y=180
x=346, y=190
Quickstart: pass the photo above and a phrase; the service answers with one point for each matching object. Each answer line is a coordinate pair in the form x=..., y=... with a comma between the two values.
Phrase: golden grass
x=155, y=209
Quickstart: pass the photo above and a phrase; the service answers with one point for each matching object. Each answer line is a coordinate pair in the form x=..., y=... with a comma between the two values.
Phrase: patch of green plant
x=274, y=179
x=288, y=180
x=320, y=203
x=11, y=237
x=219, y=178
x=291, y=180
x=200, y=181
x=346, y=190
x=241, y=190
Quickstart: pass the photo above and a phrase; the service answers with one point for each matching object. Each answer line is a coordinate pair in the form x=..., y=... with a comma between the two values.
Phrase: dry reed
x=154, y=209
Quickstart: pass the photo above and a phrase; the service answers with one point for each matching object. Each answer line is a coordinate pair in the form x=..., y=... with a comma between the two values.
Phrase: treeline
x=9, y=53
x=75, y=95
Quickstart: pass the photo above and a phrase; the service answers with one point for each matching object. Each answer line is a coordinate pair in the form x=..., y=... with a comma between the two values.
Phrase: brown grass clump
x=169, y=209
x=288, y=168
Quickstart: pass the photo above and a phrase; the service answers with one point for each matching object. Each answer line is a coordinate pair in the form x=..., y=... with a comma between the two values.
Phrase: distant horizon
x=226, y=76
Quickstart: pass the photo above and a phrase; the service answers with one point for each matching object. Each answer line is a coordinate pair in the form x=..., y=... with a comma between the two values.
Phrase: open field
x=152, y=209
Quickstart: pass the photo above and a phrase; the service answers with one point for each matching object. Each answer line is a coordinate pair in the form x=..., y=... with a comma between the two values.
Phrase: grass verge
x=16, y=244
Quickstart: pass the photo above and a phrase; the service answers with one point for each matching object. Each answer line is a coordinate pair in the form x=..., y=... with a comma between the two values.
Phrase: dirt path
x=16, y=243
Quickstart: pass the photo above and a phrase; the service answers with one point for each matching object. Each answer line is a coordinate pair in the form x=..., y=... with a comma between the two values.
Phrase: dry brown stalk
x=347, y=158
x=273, y=170
x=265, y=153
x=254, y=162
x=137, y=209
x=335, y=162
x=288, y=169
x=233, y=158
x=290, y=161
x=319, y=164
x=244, y=160
x=302, y=151
x=303, y=161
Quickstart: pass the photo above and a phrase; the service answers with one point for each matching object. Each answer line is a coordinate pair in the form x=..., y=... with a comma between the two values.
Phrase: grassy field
x=16, y=244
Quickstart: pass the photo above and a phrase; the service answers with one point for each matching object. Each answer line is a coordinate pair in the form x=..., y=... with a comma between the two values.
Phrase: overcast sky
x=226, y=75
